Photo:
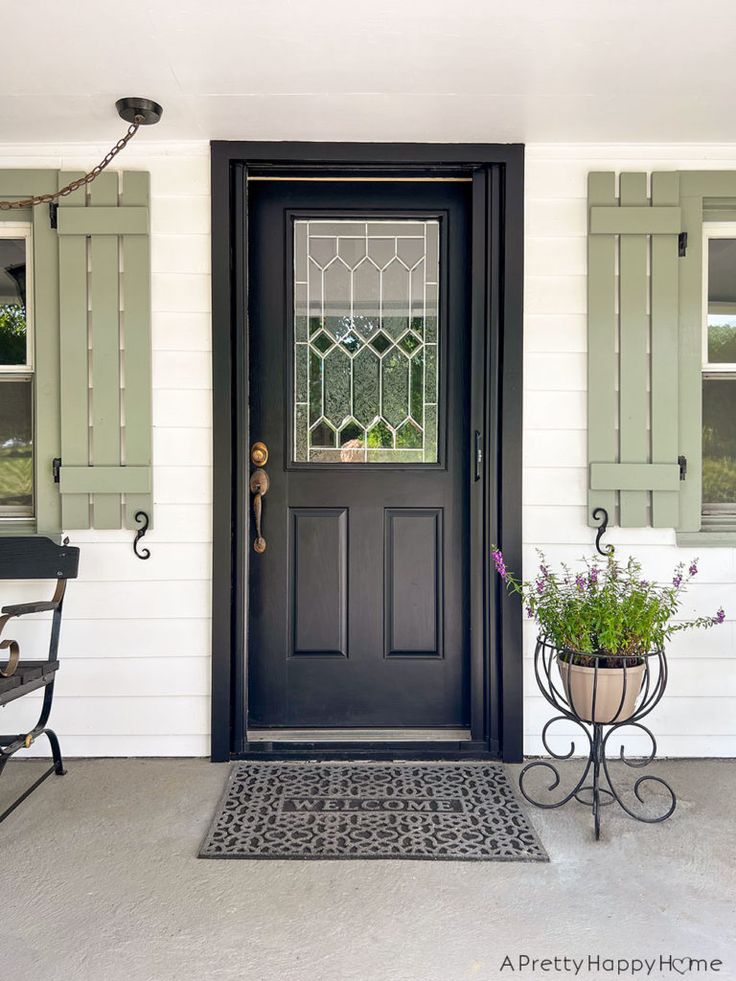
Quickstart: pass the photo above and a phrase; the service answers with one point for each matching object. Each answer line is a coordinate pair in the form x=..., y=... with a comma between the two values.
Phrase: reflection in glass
x=365, y=341
x=16, y=461
x=719, y=440
x=722, y=301
x=12, y=301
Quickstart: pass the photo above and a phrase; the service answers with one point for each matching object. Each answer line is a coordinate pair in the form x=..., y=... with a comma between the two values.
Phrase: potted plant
x=603, y=623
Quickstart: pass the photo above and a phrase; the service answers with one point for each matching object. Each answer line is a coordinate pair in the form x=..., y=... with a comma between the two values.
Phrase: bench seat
x=28, y=676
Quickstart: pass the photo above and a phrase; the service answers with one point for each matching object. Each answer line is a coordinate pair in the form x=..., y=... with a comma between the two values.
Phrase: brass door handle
x=259, y=484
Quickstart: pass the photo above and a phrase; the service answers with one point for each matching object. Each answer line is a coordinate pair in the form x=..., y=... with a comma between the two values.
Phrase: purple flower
x=529, y=611
x=677, y=580
x=539, y=585
x=500, y=564
x=693, y=570
x=720, y=616
x=593, y=576
x=580, y=581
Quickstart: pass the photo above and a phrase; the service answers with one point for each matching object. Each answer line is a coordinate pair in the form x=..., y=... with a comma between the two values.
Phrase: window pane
x=366, y=301
x=719, y=441
x=16, y=461
x=12, y=301
x=722, y=300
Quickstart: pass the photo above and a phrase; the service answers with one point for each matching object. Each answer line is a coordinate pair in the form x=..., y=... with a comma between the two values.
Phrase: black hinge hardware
x=56, y=469
x=478, y=456
x=682, y=462
x=682, y=245
x=54, y=215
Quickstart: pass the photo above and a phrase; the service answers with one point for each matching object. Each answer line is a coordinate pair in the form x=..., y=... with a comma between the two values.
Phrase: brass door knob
x=259, y=454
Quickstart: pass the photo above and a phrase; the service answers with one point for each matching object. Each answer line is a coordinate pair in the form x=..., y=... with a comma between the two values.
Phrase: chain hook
x=607, y=550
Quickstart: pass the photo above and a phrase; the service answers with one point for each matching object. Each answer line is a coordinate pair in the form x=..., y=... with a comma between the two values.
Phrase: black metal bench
x=32, y=558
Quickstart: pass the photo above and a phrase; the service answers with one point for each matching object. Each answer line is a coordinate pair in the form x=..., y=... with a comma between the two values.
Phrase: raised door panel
x=413, y=582
x=319, y=587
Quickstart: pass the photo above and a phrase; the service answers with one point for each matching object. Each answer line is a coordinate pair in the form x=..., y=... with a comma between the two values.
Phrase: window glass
x=16, y=374
x=16, y=442
x=719, y=440
x=721, y=317
x=365, y=352
x=13, y=326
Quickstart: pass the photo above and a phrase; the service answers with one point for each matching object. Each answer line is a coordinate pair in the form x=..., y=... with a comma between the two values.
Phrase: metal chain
x=80, y=181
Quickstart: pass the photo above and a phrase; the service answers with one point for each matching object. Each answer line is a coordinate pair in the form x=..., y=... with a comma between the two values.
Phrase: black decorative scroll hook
x=142, y=519
x=602, y=514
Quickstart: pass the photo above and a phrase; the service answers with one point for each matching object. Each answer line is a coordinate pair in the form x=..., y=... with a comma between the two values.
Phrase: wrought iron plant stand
x=601, y=788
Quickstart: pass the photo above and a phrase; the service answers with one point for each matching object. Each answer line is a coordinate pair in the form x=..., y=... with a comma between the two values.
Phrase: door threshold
x=357, y=735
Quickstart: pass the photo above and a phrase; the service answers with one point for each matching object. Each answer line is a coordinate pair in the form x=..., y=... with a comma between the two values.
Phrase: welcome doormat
x=450, y=811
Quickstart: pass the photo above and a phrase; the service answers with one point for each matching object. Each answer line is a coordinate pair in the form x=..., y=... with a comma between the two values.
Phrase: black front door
x=359, y=357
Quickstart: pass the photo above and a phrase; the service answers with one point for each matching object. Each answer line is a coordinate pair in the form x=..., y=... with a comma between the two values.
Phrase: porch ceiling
x=501, y=71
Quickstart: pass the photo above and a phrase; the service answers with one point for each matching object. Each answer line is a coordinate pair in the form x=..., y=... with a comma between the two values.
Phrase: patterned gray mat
x=451, y=811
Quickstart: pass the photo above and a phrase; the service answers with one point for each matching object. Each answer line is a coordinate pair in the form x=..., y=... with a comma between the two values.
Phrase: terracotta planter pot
x=611, y=703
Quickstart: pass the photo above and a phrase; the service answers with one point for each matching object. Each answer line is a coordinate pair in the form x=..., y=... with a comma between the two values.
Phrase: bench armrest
x=20, y=609
x=42, y=606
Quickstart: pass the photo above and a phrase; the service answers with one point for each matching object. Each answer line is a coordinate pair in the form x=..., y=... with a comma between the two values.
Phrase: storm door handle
x=259, y=484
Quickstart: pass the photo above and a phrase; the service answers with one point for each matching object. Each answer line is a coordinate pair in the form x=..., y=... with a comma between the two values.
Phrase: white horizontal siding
x=698, y=715
x=135, y=677
x=113, y=715
x=135, y=642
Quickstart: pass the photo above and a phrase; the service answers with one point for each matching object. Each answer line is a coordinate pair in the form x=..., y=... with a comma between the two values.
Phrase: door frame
x=497, y=173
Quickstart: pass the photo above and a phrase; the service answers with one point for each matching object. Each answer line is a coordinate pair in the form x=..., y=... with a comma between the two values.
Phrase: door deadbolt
x=259, y=454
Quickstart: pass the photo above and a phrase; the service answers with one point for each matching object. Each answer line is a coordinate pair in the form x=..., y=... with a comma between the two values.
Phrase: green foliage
x=16, y=476
x=722, y=343
x=606, y=609
x=12, y=334
x=719, y=481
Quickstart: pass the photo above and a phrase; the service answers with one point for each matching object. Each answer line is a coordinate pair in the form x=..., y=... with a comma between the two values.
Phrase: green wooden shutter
x=633, y=349
x=105, y=353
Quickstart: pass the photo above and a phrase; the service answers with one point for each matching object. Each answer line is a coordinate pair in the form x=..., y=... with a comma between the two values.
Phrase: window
x=719, y=370
x=365, y=356
x=16, y=371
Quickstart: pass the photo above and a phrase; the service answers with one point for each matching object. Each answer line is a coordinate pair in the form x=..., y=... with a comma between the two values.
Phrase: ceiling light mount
x=133, y=109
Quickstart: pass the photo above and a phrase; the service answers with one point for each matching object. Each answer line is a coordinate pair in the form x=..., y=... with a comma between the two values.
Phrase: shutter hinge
x=682, y=245
x=56, y=469
x=54, y=215
x=682, y=461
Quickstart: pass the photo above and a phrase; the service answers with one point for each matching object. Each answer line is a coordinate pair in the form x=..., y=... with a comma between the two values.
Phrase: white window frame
x=22, y=372
x=720, y=369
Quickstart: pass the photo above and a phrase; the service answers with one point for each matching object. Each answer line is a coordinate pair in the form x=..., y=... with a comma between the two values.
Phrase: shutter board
x=104, y=304
x=635, y=476
x=633, y=366
x=633, y=436
x=137, y=370
x=105, y=325
x=74, y=358
x=602, y=336
x=104, y=221
x=665, y=346
x=46, y=330
x=104, y=480
x=637, y=220
x=690, y=362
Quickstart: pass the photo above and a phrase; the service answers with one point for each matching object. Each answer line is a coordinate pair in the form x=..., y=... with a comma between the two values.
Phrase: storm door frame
x=496, y=684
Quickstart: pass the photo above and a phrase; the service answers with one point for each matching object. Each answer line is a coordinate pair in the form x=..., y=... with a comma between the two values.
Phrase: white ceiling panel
x=496, y=70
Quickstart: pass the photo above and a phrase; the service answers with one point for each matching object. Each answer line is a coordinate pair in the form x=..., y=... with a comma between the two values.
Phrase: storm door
x=360, y=455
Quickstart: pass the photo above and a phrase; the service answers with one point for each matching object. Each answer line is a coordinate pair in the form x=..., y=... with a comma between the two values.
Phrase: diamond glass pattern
x=366, y=314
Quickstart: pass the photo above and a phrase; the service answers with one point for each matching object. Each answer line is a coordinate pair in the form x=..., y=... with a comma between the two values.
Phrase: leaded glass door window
x=366, y=341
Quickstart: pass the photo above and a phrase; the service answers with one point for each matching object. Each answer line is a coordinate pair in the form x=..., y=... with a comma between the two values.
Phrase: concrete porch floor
x=99, y=882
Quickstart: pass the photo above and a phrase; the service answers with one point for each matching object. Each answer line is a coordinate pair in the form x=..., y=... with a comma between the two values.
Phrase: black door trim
x=497, y=172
